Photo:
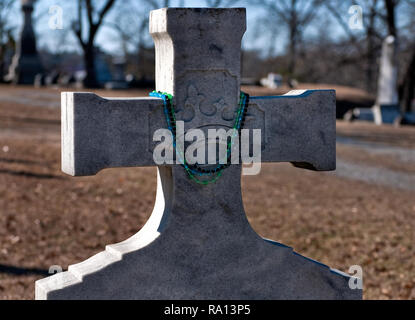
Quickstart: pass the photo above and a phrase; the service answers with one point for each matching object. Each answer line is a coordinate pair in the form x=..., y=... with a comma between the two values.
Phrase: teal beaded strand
x=170, y=115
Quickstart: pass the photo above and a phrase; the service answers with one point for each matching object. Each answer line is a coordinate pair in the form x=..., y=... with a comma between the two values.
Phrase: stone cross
x=386, y=109
x=198, y=243
x=26, y=63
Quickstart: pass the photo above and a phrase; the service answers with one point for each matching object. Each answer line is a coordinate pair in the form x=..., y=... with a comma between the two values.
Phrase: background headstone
x=386, y=108
x=273, y=81
x=26, y=63
x=52, y=78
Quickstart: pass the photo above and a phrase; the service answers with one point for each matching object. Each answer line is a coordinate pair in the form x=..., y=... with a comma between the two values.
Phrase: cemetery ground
x=363, y=214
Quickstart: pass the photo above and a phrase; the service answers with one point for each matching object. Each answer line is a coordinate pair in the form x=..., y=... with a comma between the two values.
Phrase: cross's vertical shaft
x=200, y=66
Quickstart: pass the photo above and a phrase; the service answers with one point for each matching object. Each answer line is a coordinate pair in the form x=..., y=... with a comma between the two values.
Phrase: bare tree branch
x=104, y=12
x=90, y=10
x=77, y=26
x=295, y=16
x=93, y=27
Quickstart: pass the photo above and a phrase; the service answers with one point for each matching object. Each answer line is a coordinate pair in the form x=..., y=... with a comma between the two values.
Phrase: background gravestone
x=26, y=63
x=386, y=109
x=198, y=243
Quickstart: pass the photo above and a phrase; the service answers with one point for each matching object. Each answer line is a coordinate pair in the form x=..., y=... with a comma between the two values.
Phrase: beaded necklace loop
x=195, y=171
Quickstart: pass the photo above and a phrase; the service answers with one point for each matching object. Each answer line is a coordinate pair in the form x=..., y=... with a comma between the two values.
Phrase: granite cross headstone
x=386, y=109
x=198, y=243
x=26, y=63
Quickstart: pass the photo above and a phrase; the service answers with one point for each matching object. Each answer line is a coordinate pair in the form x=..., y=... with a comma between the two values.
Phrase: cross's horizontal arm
x=99, y=133
x=299, y=127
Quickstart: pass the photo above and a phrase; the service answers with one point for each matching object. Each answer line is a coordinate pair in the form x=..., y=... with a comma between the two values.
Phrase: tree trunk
x=391, y=16
x=292, y=51
x=2, y=54
x=370, y=53
x=2, y=63
x=371, y=65
x=408, y=86
x=89, y=60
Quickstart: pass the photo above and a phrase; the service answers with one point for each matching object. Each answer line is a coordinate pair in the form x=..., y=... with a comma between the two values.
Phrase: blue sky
x=59, y=40
x=106, y=36
x=256, y=37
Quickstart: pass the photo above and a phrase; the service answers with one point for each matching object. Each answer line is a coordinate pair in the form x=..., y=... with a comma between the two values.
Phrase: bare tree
x=380, y=20
x=373, y=20
x=6, y=38
x=131, y=28
x=295, y=16
x=407, y=86
x=94, y=20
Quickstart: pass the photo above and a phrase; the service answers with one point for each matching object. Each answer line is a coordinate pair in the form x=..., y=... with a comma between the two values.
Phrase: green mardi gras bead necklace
x=195, y=172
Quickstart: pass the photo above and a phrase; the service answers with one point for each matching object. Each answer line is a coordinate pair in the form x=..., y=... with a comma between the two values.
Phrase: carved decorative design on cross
x=193, y=101
x=197, y=101
x=228, y=112
x=198, y=243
